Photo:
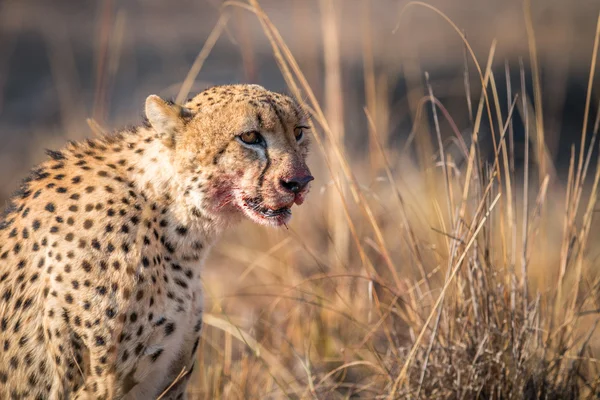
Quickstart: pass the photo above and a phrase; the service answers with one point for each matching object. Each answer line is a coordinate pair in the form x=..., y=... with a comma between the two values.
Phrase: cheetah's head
x=239, y=150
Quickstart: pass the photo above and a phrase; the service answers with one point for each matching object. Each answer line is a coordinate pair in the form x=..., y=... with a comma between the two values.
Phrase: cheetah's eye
x=251, y=137
x=299, y=132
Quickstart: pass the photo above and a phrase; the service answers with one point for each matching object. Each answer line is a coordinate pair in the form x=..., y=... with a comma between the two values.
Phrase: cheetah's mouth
x=256, y=208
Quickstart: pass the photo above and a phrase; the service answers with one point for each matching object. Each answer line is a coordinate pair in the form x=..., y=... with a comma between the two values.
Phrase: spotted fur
x=101, y=247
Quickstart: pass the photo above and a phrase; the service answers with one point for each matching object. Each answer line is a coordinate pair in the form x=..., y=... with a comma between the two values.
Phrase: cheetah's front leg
x=97, y=387
x=100, y=337
x=100, y=381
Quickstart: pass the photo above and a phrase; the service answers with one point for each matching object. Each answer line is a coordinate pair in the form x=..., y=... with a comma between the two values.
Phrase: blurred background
x=311, y=297
x=64, y=61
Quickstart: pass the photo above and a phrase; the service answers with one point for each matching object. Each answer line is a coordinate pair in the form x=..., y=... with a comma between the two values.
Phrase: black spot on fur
x=169, y=328
x=186, y=114
x=55, y=155
x=218, y=154
x=156, y=354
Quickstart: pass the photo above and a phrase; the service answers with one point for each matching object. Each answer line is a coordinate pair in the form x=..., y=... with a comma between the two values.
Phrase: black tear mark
x=261, y=177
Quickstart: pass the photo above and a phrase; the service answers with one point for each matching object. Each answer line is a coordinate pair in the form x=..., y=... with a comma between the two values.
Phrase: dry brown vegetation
x=431, y=280
x=428, y=270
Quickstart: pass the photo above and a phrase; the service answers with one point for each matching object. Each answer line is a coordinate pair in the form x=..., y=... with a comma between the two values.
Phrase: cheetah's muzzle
x=256, y=206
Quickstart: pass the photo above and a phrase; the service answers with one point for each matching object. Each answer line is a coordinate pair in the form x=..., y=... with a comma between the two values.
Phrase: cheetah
x=101, y=248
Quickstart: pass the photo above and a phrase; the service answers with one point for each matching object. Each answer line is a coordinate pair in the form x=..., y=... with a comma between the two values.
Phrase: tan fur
x=101, y=249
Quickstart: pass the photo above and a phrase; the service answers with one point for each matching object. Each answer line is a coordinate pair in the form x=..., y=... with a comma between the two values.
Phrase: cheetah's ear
x=167, y=118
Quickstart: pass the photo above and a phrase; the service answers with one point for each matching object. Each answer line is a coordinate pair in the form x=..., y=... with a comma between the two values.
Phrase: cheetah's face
x=251, y=145
x=270, y=174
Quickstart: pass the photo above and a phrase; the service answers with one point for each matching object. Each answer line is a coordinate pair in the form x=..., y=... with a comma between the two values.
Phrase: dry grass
x=413, y=272
x=471, y=281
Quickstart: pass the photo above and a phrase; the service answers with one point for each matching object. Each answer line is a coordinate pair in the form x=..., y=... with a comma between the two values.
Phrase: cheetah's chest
x=170, y=336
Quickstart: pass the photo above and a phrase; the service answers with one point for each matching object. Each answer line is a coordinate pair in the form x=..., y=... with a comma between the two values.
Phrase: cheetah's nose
x=296, y=184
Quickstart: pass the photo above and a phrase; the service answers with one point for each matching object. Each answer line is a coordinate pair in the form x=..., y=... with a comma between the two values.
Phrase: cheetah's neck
x=148, y=164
